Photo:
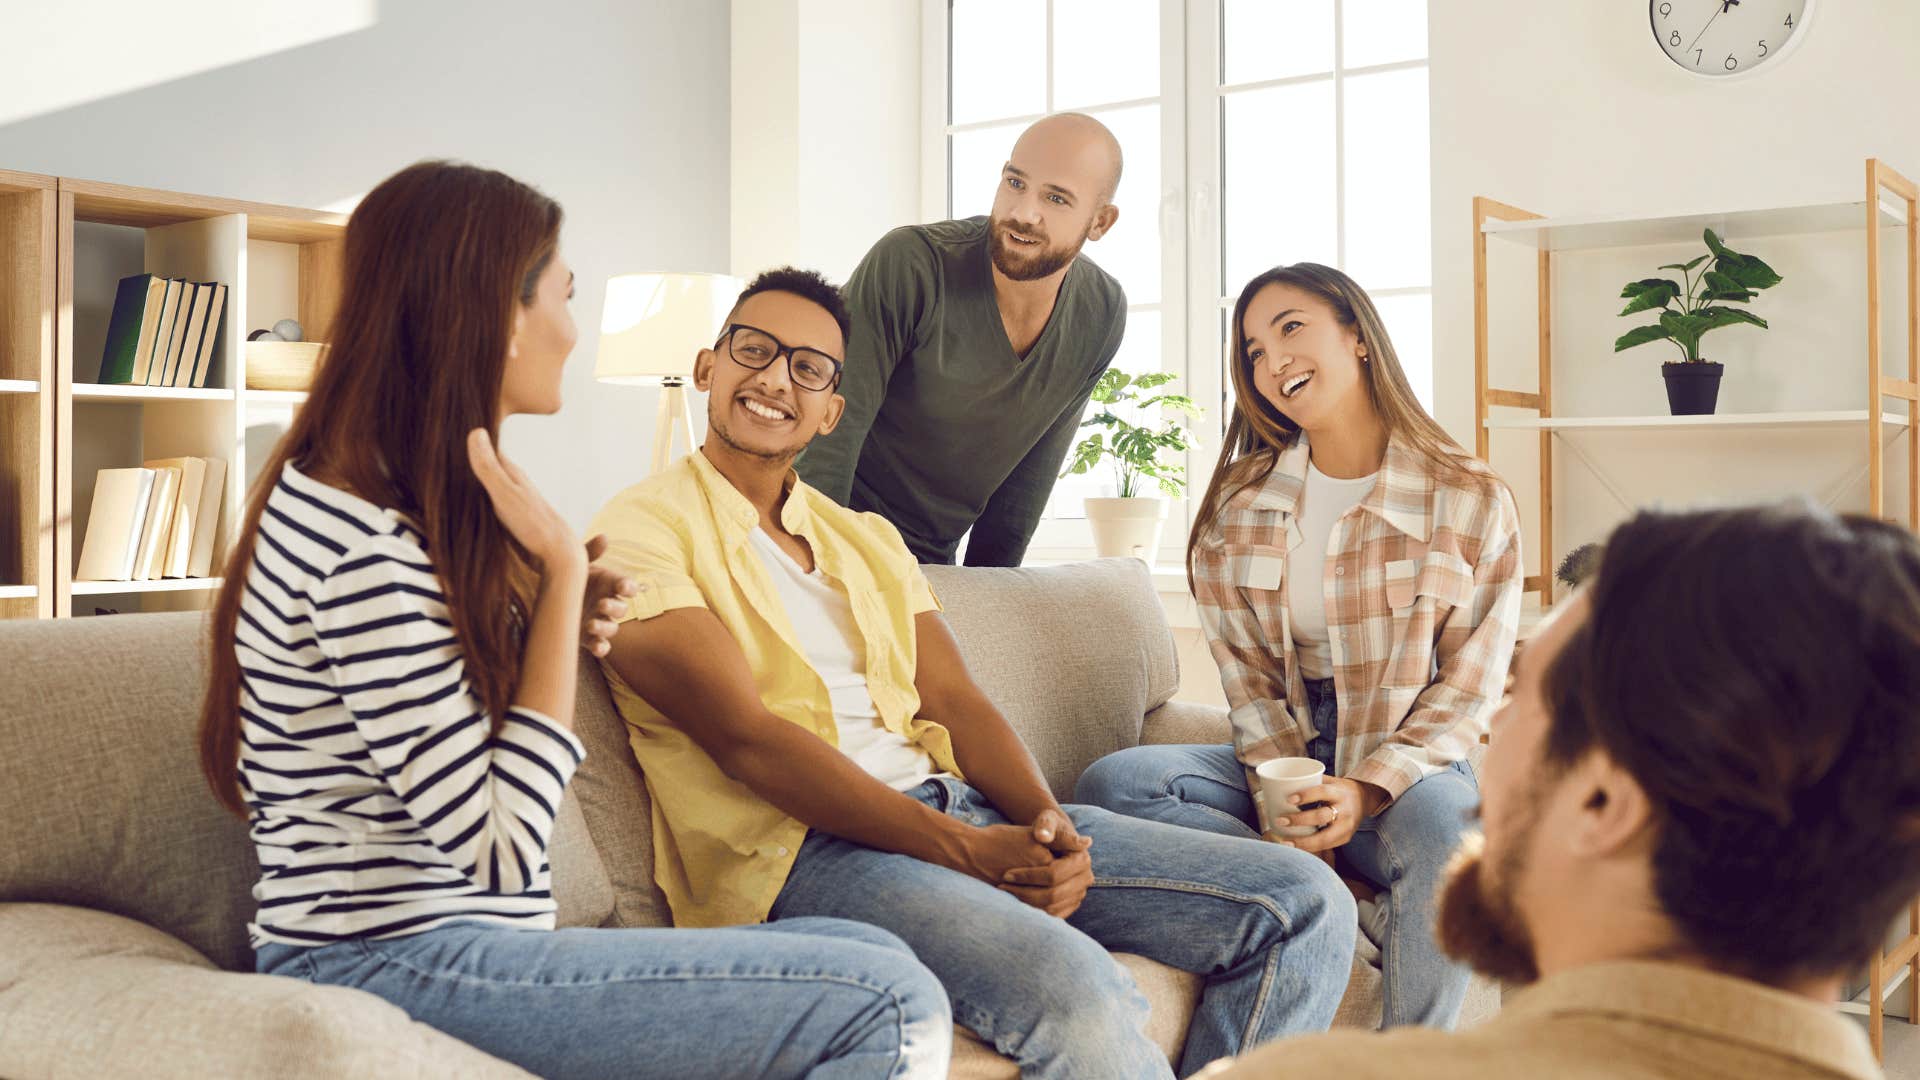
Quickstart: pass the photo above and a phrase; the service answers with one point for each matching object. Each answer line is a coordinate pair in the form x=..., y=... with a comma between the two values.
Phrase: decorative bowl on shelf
x=281, y=365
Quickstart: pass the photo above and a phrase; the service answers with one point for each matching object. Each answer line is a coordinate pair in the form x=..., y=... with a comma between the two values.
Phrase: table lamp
x=651, y=330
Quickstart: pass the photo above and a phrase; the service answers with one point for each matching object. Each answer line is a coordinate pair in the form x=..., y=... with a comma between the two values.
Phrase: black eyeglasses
x=752, y=347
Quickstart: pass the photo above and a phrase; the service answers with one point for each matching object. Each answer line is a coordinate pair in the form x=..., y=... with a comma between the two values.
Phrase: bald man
x=975, y=347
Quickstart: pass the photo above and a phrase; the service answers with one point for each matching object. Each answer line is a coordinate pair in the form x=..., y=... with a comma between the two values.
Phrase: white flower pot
x=1123, y=527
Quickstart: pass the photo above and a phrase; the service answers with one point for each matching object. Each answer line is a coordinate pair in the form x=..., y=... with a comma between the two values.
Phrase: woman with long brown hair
x=390, y=701
x=1358, y=576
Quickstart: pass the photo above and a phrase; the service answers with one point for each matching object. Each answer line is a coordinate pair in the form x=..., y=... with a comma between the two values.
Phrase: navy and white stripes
x=383, y=802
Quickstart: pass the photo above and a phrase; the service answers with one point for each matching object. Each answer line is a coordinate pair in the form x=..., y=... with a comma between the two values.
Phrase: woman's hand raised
x=527, y=515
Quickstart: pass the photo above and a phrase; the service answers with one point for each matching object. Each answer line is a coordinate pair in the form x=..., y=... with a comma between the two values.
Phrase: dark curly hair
x=1757, y=670
x=806, y=284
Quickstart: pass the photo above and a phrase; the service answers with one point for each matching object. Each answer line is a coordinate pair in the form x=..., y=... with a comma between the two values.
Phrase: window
x=1255, y=132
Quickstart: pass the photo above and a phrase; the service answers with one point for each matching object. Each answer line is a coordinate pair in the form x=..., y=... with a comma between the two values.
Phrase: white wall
x=620, y=111
x=826, y=130
x=1567, y=109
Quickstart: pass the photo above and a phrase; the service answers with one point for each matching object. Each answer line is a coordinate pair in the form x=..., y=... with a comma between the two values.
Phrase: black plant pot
x=1692, y=389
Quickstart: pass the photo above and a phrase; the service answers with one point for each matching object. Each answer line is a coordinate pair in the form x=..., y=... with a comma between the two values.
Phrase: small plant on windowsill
x=1688, y=309
x=1130, y=524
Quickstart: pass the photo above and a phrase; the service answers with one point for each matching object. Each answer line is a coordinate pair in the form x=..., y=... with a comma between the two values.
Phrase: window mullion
x=1340, y=132
x=1049, y=108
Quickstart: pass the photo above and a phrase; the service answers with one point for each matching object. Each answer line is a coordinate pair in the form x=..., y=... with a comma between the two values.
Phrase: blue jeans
x=818, y=998
x=1403, y=850
x=1271, y=930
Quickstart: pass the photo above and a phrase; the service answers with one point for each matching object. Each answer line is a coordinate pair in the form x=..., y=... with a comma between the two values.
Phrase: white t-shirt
x=823, y=618
x=1321, y=506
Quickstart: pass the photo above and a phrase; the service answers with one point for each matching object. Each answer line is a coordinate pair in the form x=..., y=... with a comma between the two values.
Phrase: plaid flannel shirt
x=1422, y=584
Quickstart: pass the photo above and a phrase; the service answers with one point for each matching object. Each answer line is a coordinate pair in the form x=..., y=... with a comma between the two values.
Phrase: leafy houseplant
x=1131, y=523
x=1689, y=309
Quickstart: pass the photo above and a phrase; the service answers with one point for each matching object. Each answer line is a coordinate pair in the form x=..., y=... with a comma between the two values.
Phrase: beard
x=776, y=457
x=1478, y=924
x=1028, y=263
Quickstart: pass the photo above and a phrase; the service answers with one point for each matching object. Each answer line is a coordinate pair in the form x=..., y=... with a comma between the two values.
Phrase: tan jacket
x=1613, y=1021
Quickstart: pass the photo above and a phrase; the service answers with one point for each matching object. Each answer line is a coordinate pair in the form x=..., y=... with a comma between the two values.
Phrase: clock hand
x=1703, y=30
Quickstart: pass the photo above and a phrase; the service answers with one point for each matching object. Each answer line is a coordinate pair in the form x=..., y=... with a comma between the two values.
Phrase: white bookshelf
x=127, y=392
x=1588, y=233
x=28, y=284
x=281, y=398
x=163, y=585
x=1718, y=421
x=1883, y=220
x=276, y=262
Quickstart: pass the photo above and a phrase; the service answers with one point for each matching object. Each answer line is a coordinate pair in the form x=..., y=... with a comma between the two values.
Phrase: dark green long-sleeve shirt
x=945, y=428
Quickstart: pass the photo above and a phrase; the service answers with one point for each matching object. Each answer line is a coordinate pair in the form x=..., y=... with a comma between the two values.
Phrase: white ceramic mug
x=1284, y=777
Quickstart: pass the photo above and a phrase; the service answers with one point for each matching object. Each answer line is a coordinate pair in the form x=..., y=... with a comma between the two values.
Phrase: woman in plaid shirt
x=1359, y=578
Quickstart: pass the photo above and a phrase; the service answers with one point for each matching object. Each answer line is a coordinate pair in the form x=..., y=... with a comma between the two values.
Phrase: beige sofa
x=124, y=891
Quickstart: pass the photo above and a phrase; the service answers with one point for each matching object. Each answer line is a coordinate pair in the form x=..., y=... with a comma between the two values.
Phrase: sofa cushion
x=613, y=798
x=102, y=760
x=1171, y=995
x=1074, y=655
x=104, y=765
x=87, y=994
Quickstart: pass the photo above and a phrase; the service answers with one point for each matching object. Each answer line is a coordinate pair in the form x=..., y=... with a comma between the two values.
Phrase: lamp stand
x=674, y=414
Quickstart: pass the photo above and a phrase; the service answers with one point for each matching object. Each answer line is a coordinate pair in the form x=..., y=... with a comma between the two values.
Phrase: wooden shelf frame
x=1880, y=177
x=202, y=238
x=1882, y=182
x=28, y=479
x=1484, y=397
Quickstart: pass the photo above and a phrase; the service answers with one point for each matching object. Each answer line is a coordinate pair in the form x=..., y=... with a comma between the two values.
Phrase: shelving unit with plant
x=198, y=238
x=1705, y=298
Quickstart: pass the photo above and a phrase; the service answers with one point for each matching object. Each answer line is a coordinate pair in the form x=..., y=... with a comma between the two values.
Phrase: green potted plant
x=1130, y=524
x=1691, y=307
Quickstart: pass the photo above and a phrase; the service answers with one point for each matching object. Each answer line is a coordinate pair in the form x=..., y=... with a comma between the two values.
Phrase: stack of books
x=163, y=331
x=153, y=522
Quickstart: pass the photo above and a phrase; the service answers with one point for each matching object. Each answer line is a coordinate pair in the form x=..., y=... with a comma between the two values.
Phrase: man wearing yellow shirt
x=814, y=745
x=1701, y=812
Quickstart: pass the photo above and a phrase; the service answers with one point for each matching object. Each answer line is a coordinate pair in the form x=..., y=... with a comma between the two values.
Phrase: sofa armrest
x=1186, y=722
x=88, y=994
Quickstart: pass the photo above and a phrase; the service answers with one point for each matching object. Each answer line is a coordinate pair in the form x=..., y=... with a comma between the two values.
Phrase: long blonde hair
x=1258, y=433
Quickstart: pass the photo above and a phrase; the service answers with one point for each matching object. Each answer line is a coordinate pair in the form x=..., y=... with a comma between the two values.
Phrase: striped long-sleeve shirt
x=383, y=801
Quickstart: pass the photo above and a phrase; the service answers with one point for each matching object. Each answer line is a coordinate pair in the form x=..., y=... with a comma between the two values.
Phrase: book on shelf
x=206, y=518
x=157, y=521
x=209, y=334
x=178, y=555
x=132, y=326
x=157, y=531
x=155, y=360
x=162, y=331
x=170, y=368
x=114, y=528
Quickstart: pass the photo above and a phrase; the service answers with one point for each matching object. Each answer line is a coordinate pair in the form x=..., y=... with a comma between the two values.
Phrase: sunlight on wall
x=45, y=66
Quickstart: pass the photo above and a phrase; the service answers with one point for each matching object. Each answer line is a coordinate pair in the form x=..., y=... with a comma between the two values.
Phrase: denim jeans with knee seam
x=824, y=999
x=1403, y=850
x=1268, y=928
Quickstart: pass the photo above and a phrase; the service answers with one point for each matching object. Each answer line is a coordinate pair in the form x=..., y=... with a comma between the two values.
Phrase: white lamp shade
x=654, y=325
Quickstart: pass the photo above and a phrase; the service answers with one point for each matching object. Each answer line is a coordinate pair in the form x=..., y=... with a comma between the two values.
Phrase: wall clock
x=1722, y=39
